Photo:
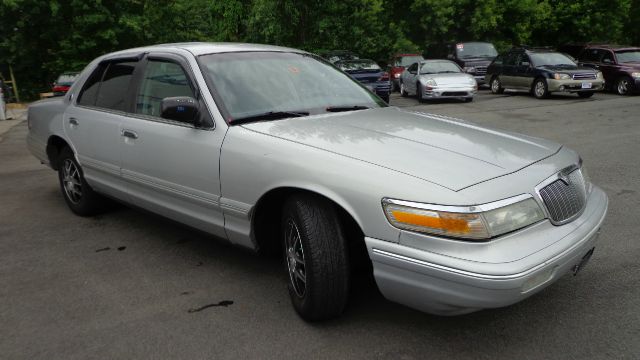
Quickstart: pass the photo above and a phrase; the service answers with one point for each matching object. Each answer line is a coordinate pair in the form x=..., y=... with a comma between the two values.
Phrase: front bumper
x=449, y=92
x=382, y=89
x=574, y=85
x=414, y=278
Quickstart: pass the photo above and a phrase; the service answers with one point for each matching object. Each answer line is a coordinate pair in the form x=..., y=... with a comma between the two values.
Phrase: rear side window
x=89, y=92
x=115, y=85
x=161, y=79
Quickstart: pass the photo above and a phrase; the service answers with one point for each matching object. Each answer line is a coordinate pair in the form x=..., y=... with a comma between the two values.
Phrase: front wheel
x=78, y=195
x=403, y=91
x=316, y=257
x=585, y=95
x=419, y=92
x=624, y=85
x=540, y=89
x=496, y=86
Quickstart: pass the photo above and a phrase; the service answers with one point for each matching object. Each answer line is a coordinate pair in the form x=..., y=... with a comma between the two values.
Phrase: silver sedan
x=297, y=158
x=437, y=79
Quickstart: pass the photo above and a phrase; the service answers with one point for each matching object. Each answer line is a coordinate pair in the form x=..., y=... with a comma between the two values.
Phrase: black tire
x=403, y=92
x=419, y=92
x=78, y=195
x=540, y=89
x=624, y=86
x=585, y=95
x=323, y=293
x=496, y=86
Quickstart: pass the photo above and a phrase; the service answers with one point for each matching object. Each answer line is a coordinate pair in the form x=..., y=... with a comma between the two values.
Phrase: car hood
x=568, y=69
x=449, y=78
x=444, y=151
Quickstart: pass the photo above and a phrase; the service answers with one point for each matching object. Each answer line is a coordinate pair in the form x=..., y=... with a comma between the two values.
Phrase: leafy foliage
x=42, y=38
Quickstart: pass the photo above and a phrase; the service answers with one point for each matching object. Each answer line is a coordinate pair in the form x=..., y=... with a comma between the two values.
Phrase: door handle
x=73, y=121
x=129, y=134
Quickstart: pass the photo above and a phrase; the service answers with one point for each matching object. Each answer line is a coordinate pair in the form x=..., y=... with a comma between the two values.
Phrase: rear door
x=523, y=76
x=93, y=124
x=172, y=167
x=507, y=76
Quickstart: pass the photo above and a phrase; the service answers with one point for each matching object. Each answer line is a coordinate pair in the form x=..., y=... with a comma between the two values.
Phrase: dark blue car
x=368, y=73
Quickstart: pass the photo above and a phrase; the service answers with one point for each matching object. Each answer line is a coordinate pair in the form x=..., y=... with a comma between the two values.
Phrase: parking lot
x=128, y=284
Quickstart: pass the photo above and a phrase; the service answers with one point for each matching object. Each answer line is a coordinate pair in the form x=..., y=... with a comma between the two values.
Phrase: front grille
x=481, y=70
x=565, y=200
x=584, y=76
x=454, y=93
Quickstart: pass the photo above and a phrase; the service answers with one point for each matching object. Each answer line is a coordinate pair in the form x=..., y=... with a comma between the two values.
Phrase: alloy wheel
x=540, y=89
x=71, y=181
x=495, y=86
x=623, y=86
x=295, y=258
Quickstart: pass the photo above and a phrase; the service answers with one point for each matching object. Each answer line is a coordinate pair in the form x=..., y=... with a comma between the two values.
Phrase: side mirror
x=607, y=61
x=525, y=63
x=180, y=108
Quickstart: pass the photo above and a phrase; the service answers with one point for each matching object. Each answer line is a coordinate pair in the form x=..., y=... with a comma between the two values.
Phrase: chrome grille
x=565, y=200
x=481, y=70
x=584, y=76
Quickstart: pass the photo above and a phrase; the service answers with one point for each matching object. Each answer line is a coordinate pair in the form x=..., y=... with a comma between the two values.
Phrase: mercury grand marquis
x=274, y=149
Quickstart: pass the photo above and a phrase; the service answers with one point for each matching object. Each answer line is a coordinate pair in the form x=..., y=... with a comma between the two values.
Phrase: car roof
x=611, y=47
x=203, y=48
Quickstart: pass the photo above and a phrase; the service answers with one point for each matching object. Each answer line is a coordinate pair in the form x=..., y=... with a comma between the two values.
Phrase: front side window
x=161, y=79
x=607, y=57
x=115, y=85
x=252, y=83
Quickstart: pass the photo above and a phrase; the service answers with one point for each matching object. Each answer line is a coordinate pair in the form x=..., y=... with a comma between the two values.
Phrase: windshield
x=358, y=65
x=542, y=59
x=252, y=83
x=409, y=60
x=66, y=78
x=628, y=56
x=438, y=67
x=471, y=50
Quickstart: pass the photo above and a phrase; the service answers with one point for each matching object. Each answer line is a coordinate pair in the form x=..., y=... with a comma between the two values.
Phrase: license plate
x=583, y=262
x=586, y=85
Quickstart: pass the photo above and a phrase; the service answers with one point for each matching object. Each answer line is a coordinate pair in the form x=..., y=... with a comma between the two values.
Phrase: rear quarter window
x=115, y=85
x=89, y=92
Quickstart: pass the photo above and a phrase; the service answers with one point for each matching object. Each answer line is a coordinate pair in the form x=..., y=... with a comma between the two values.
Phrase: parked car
x=398, y=64
x=296, y=156
x=339, y=55
x=620, y=66
x=369, y=74
x=63, y=83
x=542, y=71
x=473, y=57
x=437, y=79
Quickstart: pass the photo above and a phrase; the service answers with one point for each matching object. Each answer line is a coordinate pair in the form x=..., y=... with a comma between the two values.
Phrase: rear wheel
x=624, y=85
x=585, y=95
x=78, y=195
x=540, y=89
x=316, y=257
x=496, y=86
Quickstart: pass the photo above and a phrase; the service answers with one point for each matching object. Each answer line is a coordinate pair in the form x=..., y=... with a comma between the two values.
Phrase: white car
x=437, y=79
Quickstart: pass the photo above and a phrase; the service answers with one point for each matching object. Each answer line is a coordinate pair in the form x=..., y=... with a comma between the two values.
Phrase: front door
x=171, y=167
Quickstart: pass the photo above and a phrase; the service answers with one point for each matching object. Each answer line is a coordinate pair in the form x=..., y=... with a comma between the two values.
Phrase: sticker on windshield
x=460, y=46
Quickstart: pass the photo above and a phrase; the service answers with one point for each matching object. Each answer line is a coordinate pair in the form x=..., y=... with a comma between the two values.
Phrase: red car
x=620, y=66
x=63, y=83
x=397, y=65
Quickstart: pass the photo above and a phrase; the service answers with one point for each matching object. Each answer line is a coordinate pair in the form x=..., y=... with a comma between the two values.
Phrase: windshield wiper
x=270, y=115
x=447, y=72
x=346, y=108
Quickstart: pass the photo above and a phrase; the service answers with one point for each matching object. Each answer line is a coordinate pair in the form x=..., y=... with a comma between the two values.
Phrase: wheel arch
x=55, y=144
x=267, y=213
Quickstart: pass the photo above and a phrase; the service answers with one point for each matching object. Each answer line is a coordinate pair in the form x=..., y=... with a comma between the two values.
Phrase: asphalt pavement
x=131, y=285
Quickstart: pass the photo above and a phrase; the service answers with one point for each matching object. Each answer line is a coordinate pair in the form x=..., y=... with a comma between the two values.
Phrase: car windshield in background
x=439, y=67
x=628, y=56
x=251, y=84
x=353, y=65
x=474, y=50
x=410, y=60
x=66, y=79
x=551, y=59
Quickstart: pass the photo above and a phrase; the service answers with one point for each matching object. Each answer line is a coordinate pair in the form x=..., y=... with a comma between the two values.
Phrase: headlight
x=479, y=222
x=559, y=76
x=431, y=82
x=469, y=69
x=396, y=75
x=600, y=76
x=635, y=74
